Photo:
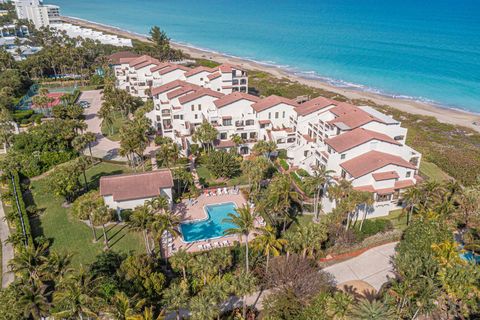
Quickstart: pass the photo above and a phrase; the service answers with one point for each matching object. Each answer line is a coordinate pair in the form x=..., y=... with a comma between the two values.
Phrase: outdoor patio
x=194, y=210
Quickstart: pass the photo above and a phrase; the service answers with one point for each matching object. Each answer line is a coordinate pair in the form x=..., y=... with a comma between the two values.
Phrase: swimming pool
x=212, y=226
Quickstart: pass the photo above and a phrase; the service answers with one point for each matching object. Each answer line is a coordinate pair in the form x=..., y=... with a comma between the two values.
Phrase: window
x=201, y=79
x=344, y=174
x=227, y=122
x=196, y=116
x=178, y=116
x=253, y=135
x=329, y=150
x=409, y=173
x=158, y=118
x=193, y=107
x=283, y=115
x=397, y=138
x=249, y=122
x=305, y=153
x=290, y=140
x=343, y=156
x=199, y=107
x=269, y=115
x=383, y=197
x=276, y=115
x=244, y=135
x=223, y=135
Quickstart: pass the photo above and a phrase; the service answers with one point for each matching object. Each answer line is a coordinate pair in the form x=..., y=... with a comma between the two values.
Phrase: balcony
x=166, y=113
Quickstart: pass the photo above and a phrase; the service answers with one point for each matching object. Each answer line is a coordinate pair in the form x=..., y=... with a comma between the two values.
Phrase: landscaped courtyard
x=69, y=234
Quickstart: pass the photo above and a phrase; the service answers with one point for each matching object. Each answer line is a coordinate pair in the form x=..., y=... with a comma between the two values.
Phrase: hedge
x=18, y=205
x=284, y=164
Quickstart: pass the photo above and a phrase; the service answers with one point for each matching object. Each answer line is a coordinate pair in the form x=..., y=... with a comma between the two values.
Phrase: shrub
x=371, y=227
x=18, y=205
x=284, y=164
x=302, y=173
x=282, y=154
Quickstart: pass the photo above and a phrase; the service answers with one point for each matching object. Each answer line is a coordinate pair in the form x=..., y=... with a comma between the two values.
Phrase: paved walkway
x=7, y=249
x=373, y=266
x=103, y=148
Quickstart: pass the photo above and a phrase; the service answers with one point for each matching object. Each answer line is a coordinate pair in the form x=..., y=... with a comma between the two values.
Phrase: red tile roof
x=136, y=186
x=380, y=176
x=367, y=188
x=314, y=105
x=404, y=184
x=308, y=138
x=351, y=116
x=198, y=94
x=371, y=161
x=224, y=143
x=160, y=66
x=172, y=68
x=271, y=101
x=181, y=91
x=356, y=137
x=264, y=121
x=169, y=86
x=214, y=75
x=117, y=57
x=143, y=61
x=234, y=97
x=227, y=68
x=198, y=70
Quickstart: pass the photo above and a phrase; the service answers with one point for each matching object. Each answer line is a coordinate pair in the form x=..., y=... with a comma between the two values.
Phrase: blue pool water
x=212, y=227
x=426, y=50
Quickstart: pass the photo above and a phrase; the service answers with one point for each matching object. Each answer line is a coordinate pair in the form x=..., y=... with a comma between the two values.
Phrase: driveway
x=373, y=266
x=7, y=249
x=103, y=147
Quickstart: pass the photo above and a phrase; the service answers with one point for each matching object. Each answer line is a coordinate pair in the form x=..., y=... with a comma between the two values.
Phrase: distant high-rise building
x=42, y=15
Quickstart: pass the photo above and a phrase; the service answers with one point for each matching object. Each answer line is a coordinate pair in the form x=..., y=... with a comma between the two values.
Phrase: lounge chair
x=225, y=190
x=200, y=246
x=219, y=191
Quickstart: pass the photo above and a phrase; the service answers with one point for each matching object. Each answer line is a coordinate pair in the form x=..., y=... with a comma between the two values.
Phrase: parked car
x=84, y=104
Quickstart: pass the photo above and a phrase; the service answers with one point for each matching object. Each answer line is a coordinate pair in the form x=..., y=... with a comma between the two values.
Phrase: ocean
x=422, y=50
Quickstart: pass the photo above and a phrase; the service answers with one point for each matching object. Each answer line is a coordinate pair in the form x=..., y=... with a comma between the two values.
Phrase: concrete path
x=373, y=266
x=7, y=249
x=103, y=147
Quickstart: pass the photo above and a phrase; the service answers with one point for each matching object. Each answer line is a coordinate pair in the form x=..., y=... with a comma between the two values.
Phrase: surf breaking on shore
x=446, y=114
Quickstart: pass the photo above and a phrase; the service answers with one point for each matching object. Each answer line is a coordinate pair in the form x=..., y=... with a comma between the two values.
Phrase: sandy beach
x=446, y=115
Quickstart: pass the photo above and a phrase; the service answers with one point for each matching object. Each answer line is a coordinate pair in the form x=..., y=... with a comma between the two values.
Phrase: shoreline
x=442, y=114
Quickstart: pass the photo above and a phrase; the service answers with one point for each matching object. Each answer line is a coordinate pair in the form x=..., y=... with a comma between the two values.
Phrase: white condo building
x=42, y=15
x=358, y=143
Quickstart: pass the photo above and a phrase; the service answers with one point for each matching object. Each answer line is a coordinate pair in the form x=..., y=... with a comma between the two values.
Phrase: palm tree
x=366, y=199
x=123, y=307
x=158, y=204
x=280, y=197
x=101, y=216
x=244, y=222
x=180, y=260
x=203, y=267
x=202, y=307
x=33, y=299
x=30, y=262
x=59, y=265
x=218, y=291
x=165, y=223
x=244, y=285
x=268, y=243
x=84, y=207
x=430, y=190
x=140, y=221
x=147, y=314
x=90, y=138
x=316, y=183
x=412, y=197
x=83, y=163
x=176, y=297
x=77, y=296
x=371, y=310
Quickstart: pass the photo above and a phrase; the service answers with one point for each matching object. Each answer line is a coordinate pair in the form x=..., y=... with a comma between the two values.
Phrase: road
x=7, y=249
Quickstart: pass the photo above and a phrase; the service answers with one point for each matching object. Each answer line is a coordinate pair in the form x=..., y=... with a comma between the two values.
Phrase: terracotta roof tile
x=160, y=66
x=234, y=97
x=169, y=86
x=404, y=184
x=371, y=161
x=350, y=116
x=198, y=70
x=381, y=176
x=314, y=105
x=356, y=137
x=116, y=57
x=271, y=101
x=214, y=75
x=200, y=93
x=172, y=68
x=136, y=186
x=224, y=143
x=182, y=91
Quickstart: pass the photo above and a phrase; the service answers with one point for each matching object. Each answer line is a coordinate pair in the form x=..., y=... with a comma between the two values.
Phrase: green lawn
x=432, y=171
x=114, y=132
x=71, y=235
x=206, y=176
x=398, y=219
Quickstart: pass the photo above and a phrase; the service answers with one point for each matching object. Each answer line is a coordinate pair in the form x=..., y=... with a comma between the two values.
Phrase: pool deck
x=197, y=212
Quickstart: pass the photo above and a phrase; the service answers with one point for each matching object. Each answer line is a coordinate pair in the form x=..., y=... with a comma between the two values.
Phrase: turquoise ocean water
x=424, y=50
